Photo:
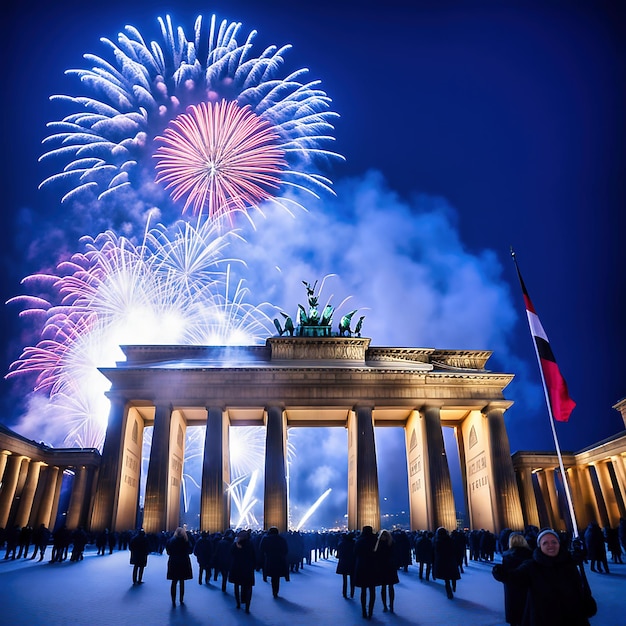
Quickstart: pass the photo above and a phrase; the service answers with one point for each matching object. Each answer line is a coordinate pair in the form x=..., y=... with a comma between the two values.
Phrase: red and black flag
x=560, y=402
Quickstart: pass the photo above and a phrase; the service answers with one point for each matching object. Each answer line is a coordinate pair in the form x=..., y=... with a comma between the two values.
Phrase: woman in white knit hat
x=557, y=595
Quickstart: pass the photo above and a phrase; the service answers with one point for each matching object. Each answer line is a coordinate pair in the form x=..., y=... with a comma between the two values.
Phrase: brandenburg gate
x=296, y=381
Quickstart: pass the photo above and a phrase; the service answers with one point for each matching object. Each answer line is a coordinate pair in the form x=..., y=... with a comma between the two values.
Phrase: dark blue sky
x=511, y=113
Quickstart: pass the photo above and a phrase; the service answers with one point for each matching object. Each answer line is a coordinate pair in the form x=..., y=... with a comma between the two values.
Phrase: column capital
x=430, y=405
x=497, y=405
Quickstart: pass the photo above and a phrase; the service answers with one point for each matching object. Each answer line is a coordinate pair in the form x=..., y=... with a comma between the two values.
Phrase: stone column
x=542, y=481
x=28, y=494
x=555, y=510
x=620, y=483
x=607, y=489
x=44, y=513
x=110, y=475
x=155, y=505
x=529, y=501
x=442, y=511
x=460, y=443
x=275, y=497
x=367, y=495
x=58, y=485
x=9, y=486
x=77, y=499
x=582, y=496
x=504, y=495
x=4, y=455
x=214, y=500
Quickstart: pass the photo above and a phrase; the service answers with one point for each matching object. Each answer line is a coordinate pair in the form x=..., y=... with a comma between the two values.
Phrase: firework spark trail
x=138, y=89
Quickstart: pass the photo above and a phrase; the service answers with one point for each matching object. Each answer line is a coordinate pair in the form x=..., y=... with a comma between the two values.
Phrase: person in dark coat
x=203, y=551
x=460, y=547
x=445, y=563
x=222, y=557
x=553, y=582
x=41, y=538
x=139, y=549
x=596, y=548
x=79, y=541
x=611, y=536
x=12, y=539
x=515, y=594
x=345, y=562
x=387, y=566
x=25, y=537
x=273, y=551
x=402, y=549
x=424, y=553
x=179, y=563
x=242, y=566
x=365, y=575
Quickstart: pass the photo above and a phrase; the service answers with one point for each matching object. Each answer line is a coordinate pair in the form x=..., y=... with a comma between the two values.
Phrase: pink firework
x=219, y=157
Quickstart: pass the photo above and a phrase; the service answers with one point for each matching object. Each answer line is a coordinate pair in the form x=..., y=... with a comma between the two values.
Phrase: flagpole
x=568, y=495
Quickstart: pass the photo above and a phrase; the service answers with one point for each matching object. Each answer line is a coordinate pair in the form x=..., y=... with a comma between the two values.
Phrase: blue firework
x=136, y=90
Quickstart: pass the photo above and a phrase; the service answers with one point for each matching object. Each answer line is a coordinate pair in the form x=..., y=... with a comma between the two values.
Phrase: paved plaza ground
x=98, y=591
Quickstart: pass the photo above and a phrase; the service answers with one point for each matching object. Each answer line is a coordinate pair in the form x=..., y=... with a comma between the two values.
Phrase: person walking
x=242, y=566
x=179, y=570
x=345, y=562
x=387, y=566
x=424, y=553
x=273, y=549
x=445, y=563
x=557, y=593
x=139, y=549
x=222, y=557
x=365, y=569
x=203, y=551
x=514, y=593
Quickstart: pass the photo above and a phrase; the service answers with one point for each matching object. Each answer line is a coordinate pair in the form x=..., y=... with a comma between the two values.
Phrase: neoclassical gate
x=307, y=381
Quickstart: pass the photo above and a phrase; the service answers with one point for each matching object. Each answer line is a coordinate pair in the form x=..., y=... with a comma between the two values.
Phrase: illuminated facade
x=309, y=381
x=306, y=381
x=32, y=479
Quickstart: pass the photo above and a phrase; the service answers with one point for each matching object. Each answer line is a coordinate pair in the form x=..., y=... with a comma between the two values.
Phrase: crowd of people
x=541, y=570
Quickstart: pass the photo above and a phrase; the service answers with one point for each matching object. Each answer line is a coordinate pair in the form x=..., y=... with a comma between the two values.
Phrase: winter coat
x=554, y=587
x=594, y=542
x=386, y=564
x=402, y=548
x=365, y=561
x=139, y=550
x=221, y=556
x=203, y=551
x=273, y=549
x=243, y=563
x=514, y=593
x=179, y=563
x=345, y=555
x=424, y=552
x=445, y=563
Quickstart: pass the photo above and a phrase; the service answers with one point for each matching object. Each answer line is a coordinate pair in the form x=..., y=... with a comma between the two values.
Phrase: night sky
x=467, y=128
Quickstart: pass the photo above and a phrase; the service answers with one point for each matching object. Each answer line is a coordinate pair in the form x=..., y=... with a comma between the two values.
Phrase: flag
x=560, y=402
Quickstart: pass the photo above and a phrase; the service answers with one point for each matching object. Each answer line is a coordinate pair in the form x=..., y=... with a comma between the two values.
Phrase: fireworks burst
x=221, y=157
x=224, y=130
x=244, y=115
x=170, y=289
